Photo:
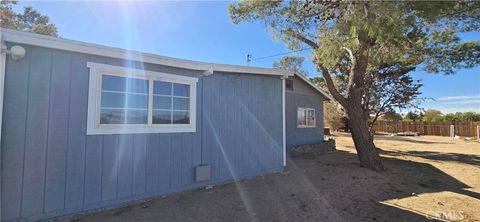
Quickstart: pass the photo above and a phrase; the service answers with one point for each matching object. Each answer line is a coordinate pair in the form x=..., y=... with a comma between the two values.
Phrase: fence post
x=478, y=133
x=452, y=132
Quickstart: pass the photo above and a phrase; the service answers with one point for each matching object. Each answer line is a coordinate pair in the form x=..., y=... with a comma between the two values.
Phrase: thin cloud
x=452, y=104
x=456, y=98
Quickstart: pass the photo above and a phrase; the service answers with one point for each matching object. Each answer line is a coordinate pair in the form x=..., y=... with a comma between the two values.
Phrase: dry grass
x=426, y=176
x=447, y=171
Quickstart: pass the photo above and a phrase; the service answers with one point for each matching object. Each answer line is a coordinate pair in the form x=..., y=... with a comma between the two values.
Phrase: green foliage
x=292, y=63
x=470, y=117
x=412, y=116
x=30, y=20
x=370, y=48
x=333, y=116
x=397, y=32
x=432, y=115
x=392, y=116
x=452, y=117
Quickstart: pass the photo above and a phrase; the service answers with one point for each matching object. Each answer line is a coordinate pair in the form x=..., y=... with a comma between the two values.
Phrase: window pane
x=137, y=101
x=137, y=116
x=311, y=117
x=162, y=88
x=162, y=117
x=116, y=100
x=181, y=103
x=181, y=117
x=113, y=83
x=112, y=116
x=123, y=84
x=301, y=118
x=181, y=90
x=137, y=85
x=162, y=102
x=289, y=84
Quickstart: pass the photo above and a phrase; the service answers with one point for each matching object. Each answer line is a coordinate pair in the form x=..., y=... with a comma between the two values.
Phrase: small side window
x=289, y=84
x=305, y=117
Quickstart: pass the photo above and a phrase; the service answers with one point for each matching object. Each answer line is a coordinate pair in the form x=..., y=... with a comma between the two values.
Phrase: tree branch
x=302, y=38
x=325, y=73
x=331, y=86
x=351, y=72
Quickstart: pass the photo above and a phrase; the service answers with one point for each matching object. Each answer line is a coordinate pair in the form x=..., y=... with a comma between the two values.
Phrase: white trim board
x=284, y=125
x=100, y=50
x=3, y=61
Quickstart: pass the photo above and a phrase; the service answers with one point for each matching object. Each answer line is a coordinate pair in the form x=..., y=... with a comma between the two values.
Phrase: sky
x=203, y=31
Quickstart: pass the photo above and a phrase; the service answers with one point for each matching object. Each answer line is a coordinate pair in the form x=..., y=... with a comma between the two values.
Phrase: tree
x=392, y=116
x=356, y=40
x=388, y=91
x=452, y=117
x=413, y=116
x=293, y=63
x=470, y=117
x=30, y=20
x=333, y=115
x=432, y=115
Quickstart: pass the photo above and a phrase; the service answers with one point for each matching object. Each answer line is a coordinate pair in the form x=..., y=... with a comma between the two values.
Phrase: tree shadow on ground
x=322, y=187
x=406, y=139
x=437, y=156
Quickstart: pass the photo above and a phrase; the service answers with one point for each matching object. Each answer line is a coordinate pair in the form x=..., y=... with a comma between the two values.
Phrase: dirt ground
x=427, y=178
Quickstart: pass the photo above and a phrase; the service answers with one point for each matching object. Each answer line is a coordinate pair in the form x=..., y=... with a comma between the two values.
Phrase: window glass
x=137, y=101
x=123, y=84
x=137, y=116
x=162, y=102
x=301, y=117
x=311, y=117
x=171, y=103
x=162, y=117
x=305, y=117
x=289, y=84
x=162, y=88
x=123, y=100
x=181, y=90
x=113, y=100
x=181, y=117
x=181, y=103
x=112, y=116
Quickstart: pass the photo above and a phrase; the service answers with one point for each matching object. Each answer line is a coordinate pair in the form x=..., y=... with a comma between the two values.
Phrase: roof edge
x=324, y=94
x=34, y=39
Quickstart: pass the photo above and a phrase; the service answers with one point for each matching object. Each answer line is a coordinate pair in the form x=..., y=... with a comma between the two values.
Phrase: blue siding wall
x=51, y=167
x=303, y=95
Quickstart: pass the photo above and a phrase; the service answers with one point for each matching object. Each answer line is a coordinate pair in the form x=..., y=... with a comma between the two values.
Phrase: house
x=88, y=127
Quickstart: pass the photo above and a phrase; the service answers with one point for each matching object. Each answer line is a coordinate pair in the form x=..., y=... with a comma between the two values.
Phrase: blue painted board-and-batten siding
x=303, y=95
x=50, y=166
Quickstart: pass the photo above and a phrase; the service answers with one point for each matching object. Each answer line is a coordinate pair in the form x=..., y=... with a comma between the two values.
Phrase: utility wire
x=250, y=58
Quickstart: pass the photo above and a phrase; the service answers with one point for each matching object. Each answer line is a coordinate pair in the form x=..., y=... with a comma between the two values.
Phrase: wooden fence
x=428, y=128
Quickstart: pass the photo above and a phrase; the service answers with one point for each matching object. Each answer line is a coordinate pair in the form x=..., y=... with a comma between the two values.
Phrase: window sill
x=303, y=127
x=109, y=130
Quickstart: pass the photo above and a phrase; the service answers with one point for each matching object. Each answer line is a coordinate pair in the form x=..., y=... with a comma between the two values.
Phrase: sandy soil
x=427, y=177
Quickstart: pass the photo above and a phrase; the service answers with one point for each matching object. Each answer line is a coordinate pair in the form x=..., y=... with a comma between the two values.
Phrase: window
x=305, y=117
x=289, y=84
x=124, y=100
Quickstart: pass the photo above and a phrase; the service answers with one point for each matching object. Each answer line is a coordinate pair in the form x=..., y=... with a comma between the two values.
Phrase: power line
x=250, y=57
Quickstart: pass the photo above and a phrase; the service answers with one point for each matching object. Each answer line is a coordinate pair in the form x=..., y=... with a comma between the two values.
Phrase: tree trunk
x=366, y=151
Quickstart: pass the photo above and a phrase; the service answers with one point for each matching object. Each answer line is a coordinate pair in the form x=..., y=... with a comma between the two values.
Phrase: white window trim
x=94, y=94
x=314, y=118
